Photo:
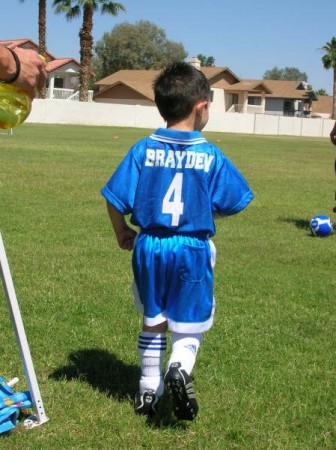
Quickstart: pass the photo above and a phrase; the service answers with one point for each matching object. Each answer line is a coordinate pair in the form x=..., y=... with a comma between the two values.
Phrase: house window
x=254, y=101
x=59, y=82
x=234, y=99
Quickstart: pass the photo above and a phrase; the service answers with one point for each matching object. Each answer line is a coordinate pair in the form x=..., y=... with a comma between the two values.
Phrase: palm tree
x=42, y=25
x=74, y=8
x=329, y=61
x=42, y=32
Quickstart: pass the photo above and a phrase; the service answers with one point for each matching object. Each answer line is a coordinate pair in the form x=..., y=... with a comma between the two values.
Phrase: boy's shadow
x=102, y=370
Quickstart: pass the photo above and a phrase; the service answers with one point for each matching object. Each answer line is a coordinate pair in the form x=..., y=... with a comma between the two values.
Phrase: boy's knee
x=160, y=328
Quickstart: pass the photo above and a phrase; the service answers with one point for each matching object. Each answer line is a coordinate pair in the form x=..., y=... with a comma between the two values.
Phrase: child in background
x=173, y=183
x=333, y=141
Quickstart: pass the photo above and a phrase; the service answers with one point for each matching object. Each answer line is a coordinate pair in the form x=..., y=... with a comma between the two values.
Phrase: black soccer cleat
x=146, y=403
x=180, y=387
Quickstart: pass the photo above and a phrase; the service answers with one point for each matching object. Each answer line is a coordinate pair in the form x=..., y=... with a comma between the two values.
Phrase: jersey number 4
x=172, y=201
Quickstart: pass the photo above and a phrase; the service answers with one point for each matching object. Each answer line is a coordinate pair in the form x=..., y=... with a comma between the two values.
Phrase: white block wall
x=138, y=116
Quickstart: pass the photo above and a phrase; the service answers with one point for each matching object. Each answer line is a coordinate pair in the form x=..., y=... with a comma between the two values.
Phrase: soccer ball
x=321, y=225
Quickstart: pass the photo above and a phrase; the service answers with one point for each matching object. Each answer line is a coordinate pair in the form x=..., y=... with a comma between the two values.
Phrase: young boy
x=333, y=141
x=173, y=183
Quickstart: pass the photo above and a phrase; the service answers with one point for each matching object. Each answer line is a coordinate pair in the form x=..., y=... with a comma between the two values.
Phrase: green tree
x=329, y=62
x=142, y=45
x=288, y=74
x=86, y=9
x=206, y=61
x=321, y=92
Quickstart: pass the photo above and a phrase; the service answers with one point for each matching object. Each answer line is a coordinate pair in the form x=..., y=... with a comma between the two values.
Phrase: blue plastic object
x=10, y=404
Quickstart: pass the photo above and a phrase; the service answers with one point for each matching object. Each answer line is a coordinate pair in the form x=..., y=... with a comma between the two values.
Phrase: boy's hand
x=125, y=234
x=125, y=238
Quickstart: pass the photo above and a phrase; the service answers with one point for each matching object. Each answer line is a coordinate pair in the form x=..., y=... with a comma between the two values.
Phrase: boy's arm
x=333, y=135
x=124, y=234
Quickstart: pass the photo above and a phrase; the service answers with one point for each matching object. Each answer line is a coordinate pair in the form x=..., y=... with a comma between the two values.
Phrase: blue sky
x=247, y=36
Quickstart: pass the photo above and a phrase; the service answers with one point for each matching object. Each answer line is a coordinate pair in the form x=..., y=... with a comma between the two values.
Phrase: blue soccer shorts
x=173, y=281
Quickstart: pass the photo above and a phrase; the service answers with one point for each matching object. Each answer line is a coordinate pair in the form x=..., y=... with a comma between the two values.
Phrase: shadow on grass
x=102, y=370
x=302, y=224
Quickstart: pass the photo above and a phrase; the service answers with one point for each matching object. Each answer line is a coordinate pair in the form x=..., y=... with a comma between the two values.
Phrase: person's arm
x=333, y=135
x=30, y=70
x=124, y=234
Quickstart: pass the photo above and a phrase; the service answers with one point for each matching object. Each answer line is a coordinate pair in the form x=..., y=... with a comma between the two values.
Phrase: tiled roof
x=142, y=80
x=285, y=89
x=324, y=104
x=145, y=75
x=138, y=80
x=250, y=86
x=141, y=77
x=24, y=43
x=53, y=63
x=12, y=43
x=57, y=63
x=211, y=72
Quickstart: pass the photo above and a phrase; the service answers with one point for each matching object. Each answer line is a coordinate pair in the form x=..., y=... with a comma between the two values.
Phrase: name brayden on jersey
x=178, y=159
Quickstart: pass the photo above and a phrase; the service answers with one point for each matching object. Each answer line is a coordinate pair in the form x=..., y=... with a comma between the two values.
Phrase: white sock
x=152, y=349
x=184, y=350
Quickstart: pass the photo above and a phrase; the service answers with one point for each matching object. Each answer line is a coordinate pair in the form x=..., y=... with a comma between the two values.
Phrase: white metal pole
x=40, y=415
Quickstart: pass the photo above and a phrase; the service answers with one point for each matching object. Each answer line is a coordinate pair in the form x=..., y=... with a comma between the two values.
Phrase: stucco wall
x=79, y=113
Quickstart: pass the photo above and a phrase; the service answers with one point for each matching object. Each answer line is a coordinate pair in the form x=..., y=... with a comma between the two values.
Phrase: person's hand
x=32, y=73
x=333, y=135
x=125, y=238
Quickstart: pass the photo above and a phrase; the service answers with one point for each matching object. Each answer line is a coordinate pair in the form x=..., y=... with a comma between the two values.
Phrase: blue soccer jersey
x=177, y=181
x=173, y=183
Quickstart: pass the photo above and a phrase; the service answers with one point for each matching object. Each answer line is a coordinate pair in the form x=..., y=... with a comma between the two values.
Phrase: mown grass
x=265, y=376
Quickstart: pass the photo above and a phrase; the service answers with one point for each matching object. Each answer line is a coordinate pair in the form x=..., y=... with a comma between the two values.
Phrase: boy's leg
x=184, y=349
x=334, y=208
x=190, y=310
x=177, y=378
x=152, y=347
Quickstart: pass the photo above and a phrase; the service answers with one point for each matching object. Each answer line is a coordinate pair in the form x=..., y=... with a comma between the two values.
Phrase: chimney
x=195, y=62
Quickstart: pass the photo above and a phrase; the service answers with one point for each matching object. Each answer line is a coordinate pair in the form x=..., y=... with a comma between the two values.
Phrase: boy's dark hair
x=177, y=88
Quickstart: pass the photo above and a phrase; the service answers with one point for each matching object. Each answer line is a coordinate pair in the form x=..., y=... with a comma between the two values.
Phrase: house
x=128, y=87
x=229, y=93
x=63, y=73
x=323, y=107
x=289, y=98
x=135, y=87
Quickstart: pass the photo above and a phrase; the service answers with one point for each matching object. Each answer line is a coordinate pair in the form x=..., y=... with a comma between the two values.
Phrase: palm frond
x=66, y=8
x=111, y=7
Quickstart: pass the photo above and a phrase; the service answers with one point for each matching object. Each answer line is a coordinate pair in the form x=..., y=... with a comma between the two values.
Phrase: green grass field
x=265, y=375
